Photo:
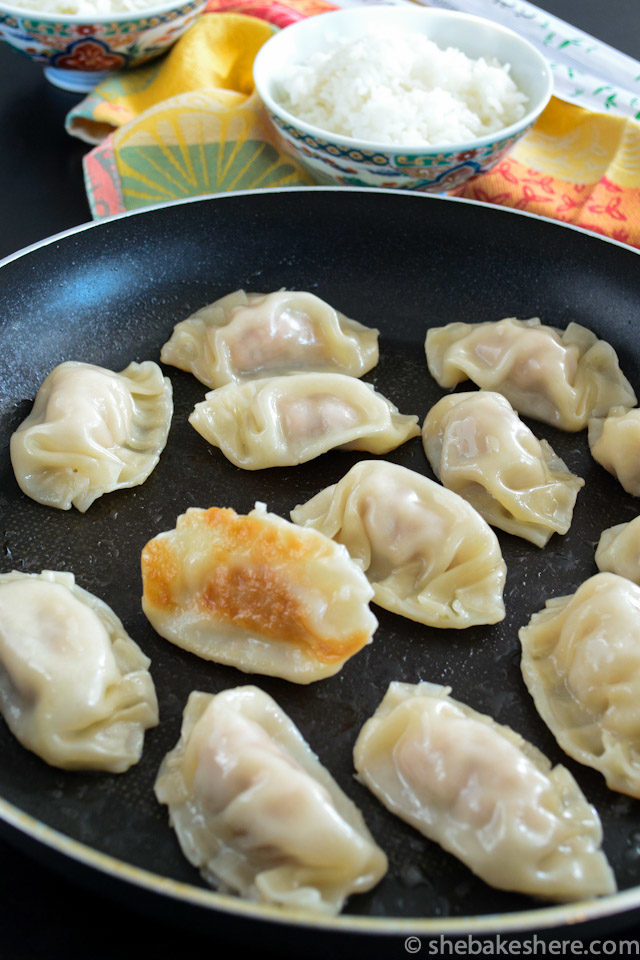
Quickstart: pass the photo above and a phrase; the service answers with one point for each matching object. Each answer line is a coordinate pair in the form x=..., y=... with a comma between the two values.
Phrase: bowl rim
x=375, y=146
x=120, y=16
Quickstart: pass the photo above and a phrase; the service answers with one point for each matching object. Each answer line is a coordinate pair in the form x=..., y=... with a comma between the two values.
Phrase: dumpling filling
x=74, y=687
x=247, y=335
x=483, y=793
x=258, y=593
x=257, y=813
x=92, y=431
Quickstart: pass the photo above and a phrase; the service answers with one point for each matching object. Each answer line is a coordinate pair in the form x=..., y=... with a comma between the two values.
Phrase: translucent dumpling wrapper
x=92, y=431
x=479, y=447
x=283, y=421
x=75, y=689
x=484, y=794
x=248, y=335
x=258, y=593
x=618, y=550
x=562, y=377
x=257, y=813
x=614, y=442
x=427, y=553
x=581, y=663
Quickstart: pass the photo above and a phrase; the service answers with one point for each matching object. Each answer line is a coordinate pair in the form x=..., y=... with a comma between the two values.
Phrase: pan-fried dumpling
x=560, y=377
x=479, y=447
x=74, y=687
x=483, y=793
x=428, y=555
x=247, y=335
x=282, y=421
x=257, y=593
x=618, y=550
x=257, y=813
x=581, y=663
x=92, y=431
x=614, y=442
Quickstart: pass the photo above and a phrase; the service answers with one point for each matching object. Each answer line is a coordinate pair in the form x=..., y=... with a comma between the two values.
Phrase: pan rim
x=538, y=919
x=210, y=197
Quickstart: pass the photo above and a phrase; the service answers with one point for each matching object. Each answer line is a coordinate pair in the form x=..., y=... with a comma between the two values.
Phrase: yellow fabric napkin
x=191, y=124
x=577, y=166
x=216, y=53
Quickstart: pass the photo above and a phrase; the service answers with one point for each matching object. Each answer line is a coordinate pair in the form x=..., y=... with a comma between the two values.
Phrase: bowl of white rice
x=410, y=97
x=81, y=42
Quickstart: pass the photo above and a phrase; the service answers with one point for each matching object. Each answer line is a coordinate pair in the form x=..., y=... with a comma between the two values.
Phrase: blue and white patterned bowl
x=77, y=50
x=335, y=159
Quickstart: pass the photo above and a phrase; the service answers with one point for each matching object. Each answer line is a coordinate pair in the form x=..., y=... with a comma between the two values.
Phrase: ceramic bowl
x=335, y=159
x=78, y=51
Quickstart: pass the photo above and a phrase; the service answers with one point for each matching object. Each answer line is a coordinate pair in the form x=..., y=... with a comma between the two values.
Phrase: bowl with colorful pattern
x=79, y=49
x=356, y=159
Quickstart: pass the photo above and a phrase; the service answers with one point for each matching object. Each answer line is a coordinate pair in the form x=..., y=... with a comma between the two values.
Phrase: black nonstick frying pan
x=110, y=293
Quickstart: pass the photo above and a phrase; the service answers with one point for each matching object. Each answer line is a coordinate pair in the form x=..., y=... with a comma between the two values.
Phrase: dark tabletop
x=43, y=913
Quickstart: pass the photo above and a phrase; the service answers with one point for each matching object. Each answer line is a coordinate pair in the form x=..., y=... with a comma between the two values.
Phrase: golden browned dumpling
x=258, y=593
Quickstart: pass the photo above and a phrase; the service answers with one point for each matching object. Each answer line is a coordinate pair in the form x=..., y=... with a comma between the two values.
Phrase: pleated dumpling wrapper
x=257, y=593
x=75, y=689
x=484, y=794
x=614, y=442
x=560, y=377
x=248, y=335
x=581, y=663
x=92, y=431
x=479, y=447
x=257, y=813
x=618, y=550
x=283, y=421
x=427, y=553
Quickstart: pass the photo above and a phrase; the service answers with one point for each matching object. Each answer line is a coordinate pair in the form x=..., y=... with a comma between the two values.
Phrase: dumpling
x=74, y=687
x=581, y=663
x=478, y=446
x=247, y=335
x=560, y=377
x=483, y=793
x=428, y=555
x=618, y=550
x=282, y=421
x=257, y=813
x=92, y=431
x=257, y=593
x=614, y=442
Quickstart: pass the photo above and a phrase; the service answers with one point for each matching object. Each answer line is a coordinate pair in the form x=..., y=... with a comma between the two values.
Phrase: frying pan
x=110, y=293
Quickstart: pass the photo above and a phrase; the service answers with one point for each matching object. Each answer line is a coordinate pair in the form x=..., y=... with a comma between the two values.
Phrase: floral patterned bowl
x=79, y=50
x=335, y=159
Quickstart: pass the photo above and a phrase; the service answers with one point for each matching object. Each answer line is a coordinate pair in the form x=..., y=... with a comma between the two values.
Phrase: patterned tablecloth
x=191, y=123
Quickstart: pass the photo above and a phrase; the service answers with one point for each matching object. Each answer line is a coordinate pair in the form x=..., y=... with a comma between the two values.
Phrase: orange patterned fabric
x=576, y=166
x=603, y=206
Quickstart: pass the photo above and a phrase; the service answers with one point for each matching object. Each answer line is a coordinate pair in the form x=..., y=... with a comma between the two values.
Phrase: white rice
x=87, y=8
x=401, y=88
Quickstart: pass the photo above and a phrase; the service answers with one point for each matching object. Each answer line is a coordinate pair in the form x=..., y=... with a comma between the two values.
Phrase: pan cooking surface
x=111, y=294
